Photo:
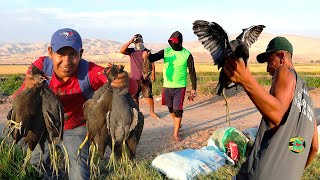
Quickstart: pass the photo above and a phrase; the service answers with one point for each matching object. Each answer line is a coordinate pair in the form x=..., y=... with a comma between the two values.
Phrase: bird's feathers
x=215, y=40
x=251, y=34
x=53, y=114
x=213, y=37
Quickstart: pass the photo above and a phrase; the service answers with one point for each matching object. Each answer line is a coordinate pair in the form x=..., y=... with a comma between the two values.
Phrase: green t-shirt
x=175, y=68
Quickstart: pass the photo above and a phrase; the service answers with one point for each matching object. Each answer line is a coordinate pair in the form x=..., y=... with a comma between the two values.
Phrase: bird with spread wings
x=215, y=39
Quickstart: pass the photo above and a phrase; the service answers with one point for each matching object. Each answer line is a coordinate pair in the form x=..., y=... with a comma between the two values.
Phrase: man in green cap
x=287, y=138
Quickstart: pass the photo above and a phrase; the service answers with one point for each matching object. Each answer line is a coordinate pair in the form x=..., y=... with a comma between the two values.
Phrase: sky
x=156, y=20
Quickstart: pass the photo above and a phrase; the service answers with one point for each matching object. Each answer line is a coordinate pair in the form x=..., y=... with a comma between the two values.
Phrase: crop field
x=200, y=67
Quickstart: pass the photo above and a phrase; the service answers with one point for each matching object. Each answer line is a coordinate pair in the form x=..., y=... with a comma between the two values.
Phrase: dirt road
x=201, y=117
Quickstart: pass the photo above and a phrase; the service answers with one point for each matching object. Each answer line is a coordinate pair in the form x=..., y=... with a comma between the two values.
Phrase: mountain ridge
x=306, y=50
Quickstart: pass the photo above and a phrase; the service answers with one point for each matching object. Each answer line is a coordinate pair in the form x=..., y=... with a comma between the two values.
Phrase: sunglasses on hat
x=174, y=40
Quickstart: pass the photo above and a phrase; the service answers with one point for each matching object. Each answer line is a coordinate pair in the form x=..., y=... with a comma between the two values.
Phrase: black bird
x=215, y=40
x=95, y=112
x=53, y=116
x=124, y=122
x=107, y=120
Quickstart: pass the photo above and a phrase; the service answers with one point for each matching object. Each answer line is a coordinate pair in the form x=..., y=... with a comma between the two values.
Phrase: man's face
x=273, y=63
x=65, y=61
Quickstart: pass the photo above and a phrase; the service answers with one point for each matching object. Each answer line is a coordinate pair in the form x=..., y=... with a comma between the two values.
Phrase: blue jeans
x=72, y=139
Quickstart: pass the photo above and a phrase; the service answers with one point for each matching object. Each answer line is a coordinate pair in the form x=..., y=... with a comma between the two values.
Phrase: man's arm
x=153, y=57
x=272, y=106
x=192, y=72
x=314, y=145
x=124, y=48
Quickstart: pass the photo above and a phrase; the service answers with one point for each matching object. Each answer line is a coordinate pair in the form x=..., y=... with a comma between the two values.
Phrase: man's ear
x=281, y=56
x=50, y=52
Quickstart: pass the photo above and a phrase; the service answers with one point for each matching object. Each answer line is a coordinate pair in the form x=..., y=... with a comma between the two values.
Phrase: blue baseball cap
x=66, y=37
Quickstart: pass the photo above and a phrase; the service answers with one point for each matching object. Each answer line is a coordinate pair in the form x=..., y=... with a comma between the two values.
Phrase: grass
x=10, y=84
x=10, y=168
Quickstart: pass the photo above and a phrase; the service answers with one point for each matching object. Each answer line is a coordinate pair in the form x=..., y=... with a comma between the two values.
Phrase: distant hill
x=306, y=50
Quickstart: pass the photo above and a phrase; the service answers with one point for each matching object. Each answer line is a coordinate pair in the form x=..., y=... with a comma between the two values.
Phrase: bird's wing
x=108, y=121
x=53, y=115
x=214, y=39
x=10, y=115
x=251, y=34
x=135, y=119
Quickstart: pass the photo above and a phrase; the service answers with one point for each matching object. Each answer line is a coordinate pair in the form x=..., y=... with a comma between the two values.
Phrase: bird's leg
x=40, y=163
x=27, y=159
x=66, y=158
x=54, y=160
x=112, y=156
x=227, y=107
x=40, y=159
x=7, y=125
x=11, y=148
x=94, y=166
x=90, y=153
x=15, y=125
x=2, y=143
x=11, y=129
x=125, y=157
x=50, y=152
x=81, y=145
x=98, y=163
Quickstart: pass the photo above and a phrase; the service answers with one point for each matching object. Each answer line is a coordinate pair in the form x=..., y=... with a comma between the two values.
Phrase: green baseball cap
x=276, y=44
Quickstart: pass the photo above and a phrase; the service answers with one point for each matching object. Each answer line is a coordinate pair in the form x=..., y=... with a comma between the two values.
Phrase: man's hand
x=122, y=81
x=29, y=82
x=145, y=55
x=236, y=70
x=132, y=39
x=193, y=94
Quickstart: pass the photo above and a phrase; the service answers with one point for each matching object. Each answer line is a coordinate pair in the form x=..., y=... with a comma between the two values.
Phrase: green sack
x=221, y=137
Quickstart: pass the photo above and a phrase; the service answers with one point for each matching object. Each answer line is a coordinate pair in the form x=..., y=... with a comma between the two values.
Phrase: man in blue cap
x=287, y=140
x=74, y=81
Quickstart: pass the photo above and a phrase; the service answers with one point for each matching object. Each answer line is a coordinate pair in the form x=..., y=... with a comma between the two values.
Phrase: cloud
x=157, y=24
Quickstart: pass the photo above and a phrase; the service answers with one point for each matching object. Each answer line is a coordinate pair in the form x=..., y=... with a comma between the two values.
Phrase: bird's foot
x=27, y=159
x=111, y=162
x=66, y=158
x=81, y=146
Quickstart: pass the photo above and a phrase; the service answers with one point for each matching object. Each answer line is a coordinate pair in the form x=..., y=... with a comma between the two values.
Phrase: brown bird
x=26, y=118
x=146, y=68
x=37, y=115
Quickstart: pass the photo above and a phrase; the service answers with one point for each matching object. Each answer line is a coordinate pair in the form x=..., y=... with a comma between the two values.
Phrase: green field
x=200, y=67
